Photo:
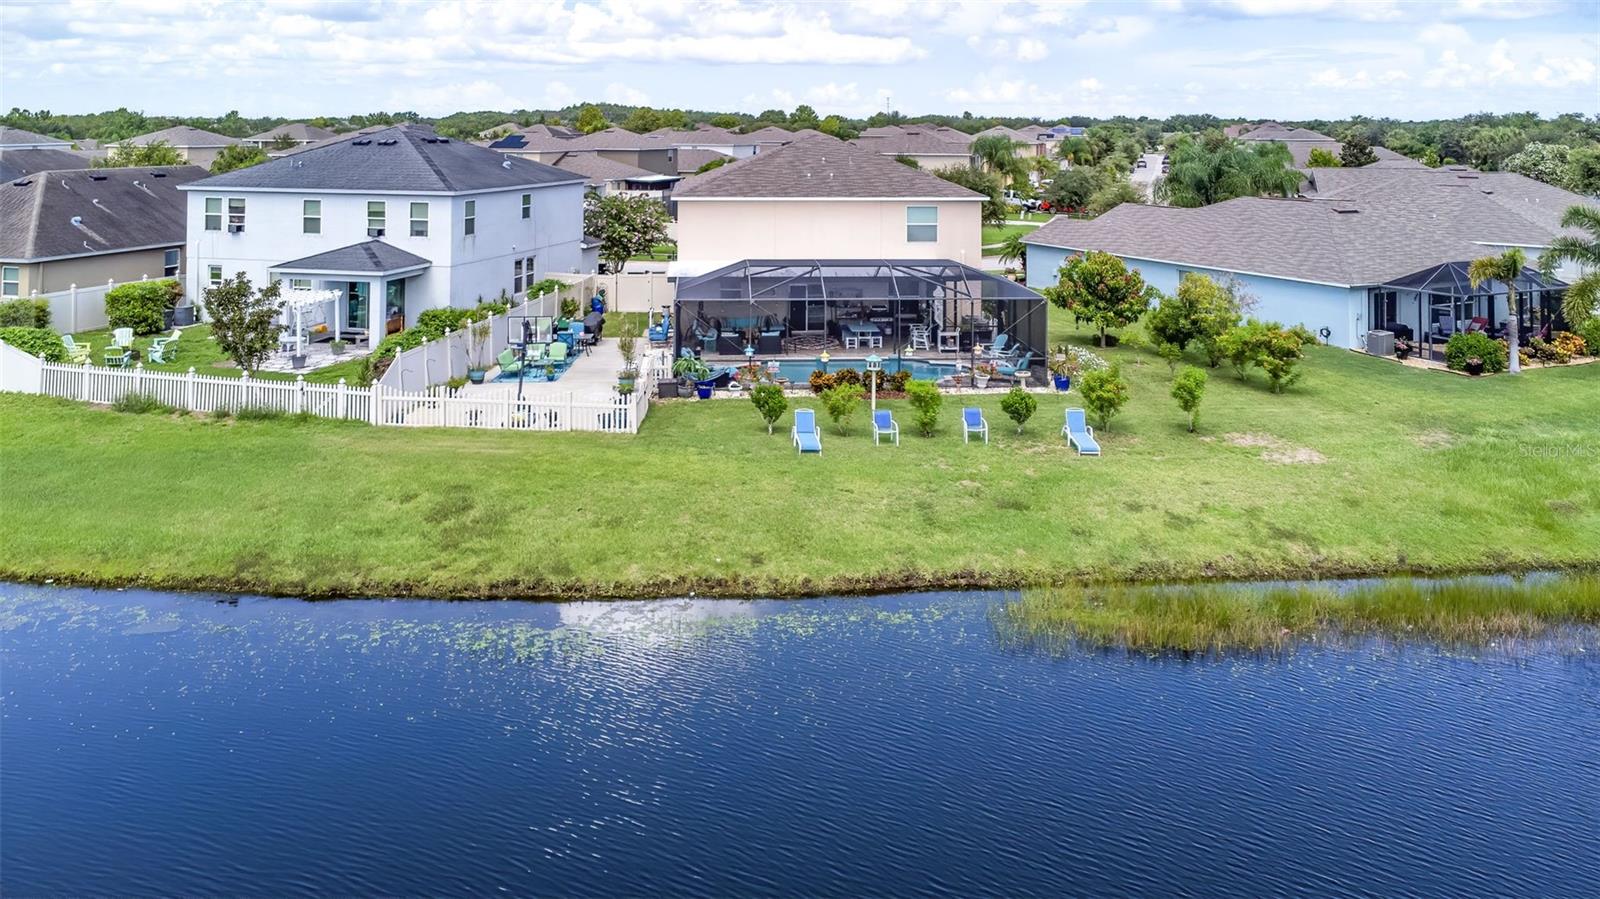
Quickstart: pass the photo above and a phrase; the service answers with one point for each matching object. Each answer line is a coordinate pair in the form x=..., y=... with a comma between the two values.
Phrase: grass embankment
x=1365, y=467
x=994, y=236
x=1222, y=618
x=196, y=349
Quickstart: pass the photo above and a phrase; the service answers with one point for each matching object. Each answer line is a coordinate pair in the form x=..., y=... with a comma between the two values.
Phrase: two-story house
x=397, y=221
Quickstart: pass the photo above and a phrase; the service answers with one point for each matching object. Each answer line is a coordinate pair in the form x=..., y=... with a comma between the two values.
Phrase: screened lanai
x=897, y=309
x=1430, y=305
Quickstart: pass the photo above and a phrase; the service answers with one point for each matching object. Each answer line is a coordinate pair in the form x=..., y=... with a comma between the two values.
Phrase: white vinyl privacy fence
x=83, y=308
x=377, y=405
x=437, y=361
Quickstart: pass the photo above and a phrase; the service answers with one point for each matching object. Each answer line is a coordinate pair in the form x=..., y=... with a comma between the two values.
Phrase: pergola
x=759, y=303
x=296, y=301
x=1445, y=290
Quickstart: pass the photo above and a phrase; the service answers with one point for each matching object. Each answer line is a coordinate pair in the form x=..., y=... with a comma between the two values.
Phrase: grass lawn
x=661, y=252
x=1365, y=466
x=197, y=349
x=993, y=236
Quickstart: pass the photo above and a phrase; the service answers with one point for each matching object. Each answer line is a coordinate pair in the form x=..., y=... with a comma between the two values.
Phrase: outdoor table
x=858, y=331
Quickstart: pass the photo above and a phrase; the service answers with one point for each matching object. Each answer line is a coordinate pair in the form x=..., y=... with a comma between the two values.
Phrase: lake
x=154, y=743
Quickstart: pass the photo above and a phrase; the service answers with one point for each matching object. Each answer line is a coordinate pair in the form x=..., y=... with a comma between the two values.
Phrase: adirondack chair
x=123, y=337
x=77, y=353
x=164, y=350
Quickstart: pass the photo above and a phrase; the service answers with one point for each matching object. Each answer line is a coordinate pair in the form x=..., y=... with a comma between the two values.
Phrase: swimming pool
x=799, y=370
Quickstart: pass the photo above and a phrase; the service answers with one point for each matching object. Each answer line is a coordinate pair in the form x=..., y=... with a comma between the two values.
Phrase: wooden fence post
x=188, y=389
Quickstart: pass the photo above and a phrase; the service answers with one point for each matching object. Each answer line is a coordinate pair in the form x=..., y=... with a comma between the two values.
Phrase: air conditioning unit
x=374, y=232
x=235, y=229
x=1380, y=343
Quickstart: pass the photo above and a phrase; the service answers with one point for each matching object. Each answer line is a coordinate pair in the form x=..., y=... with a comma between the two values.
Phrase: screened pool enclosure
x=896, y=309
x=1430, y=305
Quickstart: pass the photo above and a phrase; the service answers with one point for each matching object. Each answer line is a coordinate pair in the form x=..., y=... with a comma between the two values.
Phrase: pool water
x=799, y=370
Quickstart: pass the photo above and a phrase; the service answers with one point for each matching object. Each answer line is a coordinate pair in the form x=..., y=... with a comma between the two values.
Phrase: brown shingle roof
x=823, y=168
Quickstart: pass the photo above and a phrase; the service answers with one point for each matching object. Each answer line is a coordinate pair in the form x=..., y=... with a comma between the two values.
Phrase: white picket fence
x=377, y=405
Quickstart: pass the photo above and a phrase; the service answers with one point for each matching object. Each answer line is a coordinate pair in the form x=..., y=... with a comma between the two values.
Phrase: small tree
x=1171, y=353
x=627, y=226
x=128, y=155
x=1188, y=390
x=1020, y=405
x=1097, y=287
x=244, y=320
x=238, y=156
x=770, y=402
x=1320, y=159
x=1105, y=392
x=1505, y=268
x=1119, y=191
x=1356, y=152
x=842, y=401
x=925, y=400
x=591, y=119
x=995, y=211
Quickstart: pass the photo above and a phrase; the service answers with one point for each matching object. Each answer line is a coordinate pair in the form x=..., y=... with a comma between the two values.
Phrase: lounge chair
x=1010, y=369
x=883, y=425
x=164, y=350
x=77, y=353
x=558, y=356
x=997, y=350
x=660, y=331
x=508, y=362
x=973, y=422
x=804, y=433
x=1079, y=434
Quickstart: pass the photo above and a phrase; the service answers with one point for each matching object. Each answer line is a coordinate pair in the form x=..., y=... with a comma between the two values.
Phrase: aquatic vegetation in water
x=1221, y=618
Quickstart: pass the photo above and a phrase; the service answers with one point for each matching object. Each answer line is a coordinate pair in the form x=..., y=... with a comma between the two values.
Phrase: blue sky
x=1290, y=59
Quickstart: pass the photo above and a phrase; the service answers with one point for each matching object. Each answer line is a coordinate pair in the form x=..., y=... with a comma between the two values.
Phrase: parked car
x=1141, y=164
x=1015, y=199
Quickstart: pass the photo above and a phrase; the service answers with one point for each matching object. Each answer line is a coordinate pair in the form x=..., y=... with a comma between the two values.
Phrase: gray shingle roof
x=597, y=168
x=16, y=136
x=819, y=167
x=690, y=160
x=1275, y=131
x=372, y=256
x=1023, y=137
x=399, y=159
x=37, y=211
x=16, y=163
x=1393, y=224
x=299, y=131
x=534, y=139
x=917, y=142
x=184, y=136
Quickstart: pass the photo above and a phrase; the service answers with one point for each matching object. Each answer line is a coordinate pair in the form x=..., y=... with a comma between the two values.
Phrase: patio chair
x=118, y=356
x=973, y=422
x=1079, y=434
x=804, y=433
x=660, y=331
x=997, y=350
x=883, y=425
x=558, y=356
x=164, y=350
x=123, y=337
x=1010, y=369
x=921, y=337
x=1443, y=328
x=77, y=353
x=508, y=363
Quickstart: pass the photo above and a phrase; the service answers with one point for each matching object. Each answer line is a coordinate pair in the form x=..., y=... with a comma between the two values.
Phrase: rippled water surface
x=153, y=743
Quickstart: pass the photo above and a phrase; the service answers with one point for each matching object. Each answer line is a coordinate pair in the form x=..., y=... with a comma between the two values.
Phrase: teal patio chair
x=164, y=350
x=117, y=356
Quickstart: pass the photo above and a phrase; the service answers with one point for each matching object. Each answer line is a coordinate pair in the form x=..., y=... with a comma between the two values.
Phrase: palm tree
x=996, y=152
x=1012, y=249
x=1583, y=297
x=1505, y=268
x=1203, y=174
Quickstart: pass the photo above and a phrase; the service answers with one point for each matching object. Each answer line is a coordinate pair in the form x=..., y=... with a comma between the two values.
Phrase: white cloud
x=616, y=92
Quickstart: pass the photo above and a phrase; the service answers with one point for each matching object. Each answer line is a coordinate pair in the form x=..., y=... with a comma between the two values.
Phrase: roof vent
x=361, y=143
x=505, y=163
x=1347, y=211
x=158, y=174
x=25, y=182
x=444, y=140
x=97, y=177
x=77, y=221
x=387, y=143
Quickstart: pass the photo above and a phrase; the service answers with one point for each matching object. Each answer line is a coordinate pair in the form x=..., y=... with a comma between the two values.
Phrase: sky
x=1287, y=59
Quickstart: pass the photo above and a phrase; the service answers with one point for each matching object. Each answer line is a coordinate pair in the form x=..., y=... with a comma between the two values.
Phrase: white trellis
x=297, y=301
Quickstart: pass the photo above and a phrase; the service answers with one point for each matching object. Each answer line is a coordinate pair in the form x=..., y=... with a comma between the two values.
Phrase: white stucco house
x=396, y=221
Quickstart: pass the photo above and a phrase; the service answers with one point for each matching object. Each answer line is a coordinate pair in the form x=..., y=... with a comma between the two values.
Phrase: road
x=1147, y=176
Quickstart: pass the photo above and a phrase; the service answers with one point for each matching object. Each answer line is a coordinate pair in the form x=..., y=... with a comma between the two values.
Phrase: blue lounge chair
x=997, y=350
x=1079, y=434
x=883, y=425
x=660, y=331
x=973, y=422
x=1010, y=369
x=804, y=433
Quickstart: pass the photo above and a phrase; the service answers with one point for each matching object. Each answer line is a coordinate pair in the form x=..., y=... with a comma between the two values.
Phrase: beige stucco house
x=931, y=147
x=195, y=145
x=820, y=198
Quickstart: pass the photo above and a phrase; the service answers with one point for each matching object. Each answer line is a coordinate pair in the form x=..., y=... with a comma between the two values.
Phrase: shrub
x=1019, y=405
x=895, y=382
x=1172, y=353
x=1188, y=390
x=1104, y=393
x=770, y=402
x=25, y=312
x=820, y=381
x=140, y=404
x=925, y=400
x=847, y=376
x=1590, y=332
x=1476, y=344
x=457, y=382
x=548, y=285
x=142, y=305
x=36, y=342
x=842, y=401
x=569, y=308
x=438, y=321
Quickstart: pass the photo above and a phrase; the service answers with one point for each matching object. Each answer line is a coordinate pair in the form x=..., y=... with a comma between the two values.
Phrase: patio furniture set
x=549, y=359
x=162, y=351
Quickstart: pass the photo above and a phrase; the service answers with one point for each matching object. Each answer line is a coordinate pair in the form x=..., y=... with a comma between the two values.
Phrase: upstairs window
x=469, y=222
x=236, y=213
x=419, y=219
x=922, y=224
x=527, y=206
x=311, y=217
x=377, y=212
x=169, y=263
x=213, y=213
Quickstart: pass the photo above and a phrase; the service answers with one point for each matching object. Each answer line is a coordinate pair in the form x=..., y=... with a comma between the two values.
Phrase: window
x=419, y=219
x=527, y=206
x=299, y=283
x=10, y=280
x=214, y=273
x=376, y=213
x=213, y=213
x=236, y=213
x=522, y=274
x=922, y=224
x=169, y=263
x=516, y=276
x=311, y=217
x=469, y=224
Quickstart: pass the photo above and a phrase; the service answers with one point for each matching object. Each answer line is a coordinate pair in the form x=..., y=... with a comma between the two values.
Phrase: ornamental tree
x=1188, y=389
x=1105, y=392
x=1200, y=311
x=627, y=226
x=1098, y=288
x=1356, y=152
x=244, y=320
x=770, y=402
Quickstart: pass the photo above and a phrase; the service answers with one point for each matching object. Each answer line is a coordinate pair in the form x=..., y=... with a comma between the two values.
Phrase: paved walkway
x=593, y=374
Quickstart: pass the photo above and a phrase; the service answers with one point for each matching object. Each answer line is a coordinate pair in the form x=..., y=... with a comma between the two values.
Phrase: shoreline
x=808, y=588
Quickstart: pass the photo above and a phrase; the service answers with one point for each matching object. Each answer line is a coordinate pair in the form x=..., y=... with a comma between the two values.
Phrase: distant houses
x=931, y=147
x=289, y=136
x=194, y=145
x=25, y=153
x=1301, y=141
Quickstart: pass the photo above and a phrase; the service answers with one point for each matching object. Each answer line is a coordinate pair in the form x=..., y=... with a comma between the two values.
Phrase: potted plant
x=692, y=370
x=1063, y=369
x=338, y=347
x=981, y=373
x=298, y=359
x=625, y=389
x=477, y=366
x=549, y=371
x=1402, y=348
x=1474, y=366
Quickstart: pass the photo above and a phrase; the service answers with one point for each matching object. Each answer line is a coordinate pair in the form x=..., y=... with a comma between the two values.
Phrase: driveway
x=1147, y=176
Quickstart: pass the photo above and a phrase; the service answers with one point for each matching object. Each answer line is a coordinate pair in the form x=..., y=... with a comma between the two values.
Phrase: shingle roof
x=299, y=131
x=399, y=158
x=16, y=136
x=1392, y=225
x=913, y=143
x=368, y=256
x=819, y=167
x=16, y=163
x=1300, y=151
x=690, y=160
x=184, y=136
x=533, y=139
x=705, y=134
x=597, y=168
x=1016, y=135
x=138, y=207
x=1274, y=131
x=772, y=134
x=1540, y=204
